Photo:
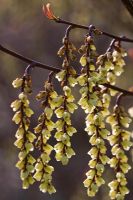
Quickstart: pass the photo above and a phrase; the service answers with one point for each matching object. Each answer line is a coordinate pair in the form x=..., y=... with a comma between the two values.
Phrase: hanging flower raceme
x=120, y=142
x=94, y=101
x=25, y=137
x=49, y=100
x=64, y=127
x=111, y=64
x=97, y=80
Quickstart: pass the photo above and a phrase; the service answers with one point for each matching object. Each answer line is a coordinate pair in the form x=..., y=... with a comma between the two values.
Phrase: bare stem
x=119, y=98
x=100, y=32
x=125, y=92
x=28, y=60
x=54, y=69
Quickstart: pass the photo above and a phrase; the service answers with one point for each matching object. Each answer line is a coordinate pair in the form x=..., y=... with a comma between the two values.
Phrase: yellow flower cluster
x=67, y=47
x=43, y=171
x=120, y=142
x=67, y=76
x=110, y=65
x=95, y=102
x=25, y=137
x=64, y=128
x=97, y=72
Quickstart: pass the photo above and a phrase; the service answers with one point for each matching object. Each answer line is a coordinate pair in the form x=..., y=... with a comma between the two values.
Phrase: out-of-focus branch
x=129, y=5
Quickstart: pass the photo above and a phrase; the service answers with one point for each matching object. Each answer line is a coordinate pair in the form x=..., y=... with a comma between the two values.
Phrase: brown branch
x=47, y=11
x=28, y=60
x=35, y=63
x=98, y=31
x=125, y=92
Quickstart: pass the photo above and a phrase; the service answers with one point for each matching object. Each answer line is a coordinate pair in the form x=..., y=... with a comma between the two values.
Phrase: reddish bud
x=48, y=12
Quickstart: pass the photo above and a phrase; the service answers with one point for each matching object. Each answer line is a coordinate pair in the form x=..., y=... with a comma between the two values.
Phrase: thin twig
x=125, y=92
x=100, y=32
x=54, y=69
x=29, y=68
x=68, y=31
x=28, y=60
x=118, y=99
x=50, y=76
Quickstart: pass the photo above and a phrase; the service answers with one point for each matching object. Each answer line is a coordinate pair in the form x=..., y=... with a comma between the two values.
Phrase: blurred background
x=24, y=29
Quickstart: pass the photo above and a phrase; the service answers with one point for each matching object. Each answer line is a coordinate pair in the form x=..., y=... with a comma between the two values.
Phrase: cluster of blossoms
x=120, y=139
x=110, y=65
x=95, y=102
x=64, y=128
x=96, y=74
x=25, y=137
x=44, y=130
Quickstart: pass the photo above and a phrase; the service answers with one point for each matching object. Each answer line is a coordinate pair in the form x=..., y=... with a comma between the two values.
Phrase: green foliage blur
x=23, y=28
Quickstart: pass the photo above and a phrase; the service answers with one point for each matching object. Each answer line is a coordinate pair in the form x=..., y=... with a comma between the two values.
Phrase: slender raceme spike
x=120, y=140
x=64, y=127
x=43, y=171
x=25, y=137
